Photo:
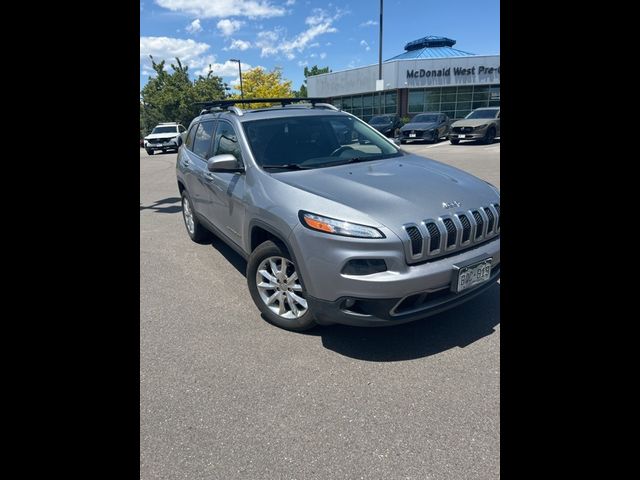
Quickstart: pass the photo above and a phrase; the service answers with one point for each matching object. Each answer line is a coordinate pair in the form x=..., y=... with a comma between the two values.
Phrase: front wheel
x=276, y=288
x=454, y=141
x=149, y=151
x=490, y=136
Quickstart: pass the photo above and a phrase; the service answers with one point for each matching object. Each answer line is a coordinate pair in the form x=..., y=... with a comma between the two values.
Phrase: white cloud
x=224, y=8
x=323, y=55
x=238, y=45
x=226, y=69
x=194, y=54
x=228, y=27
x=194, y=27
x=315, y=44
x=303, y=64
x=273, y=42
x=365, y=45
x=369, y=23
x=288, y=3
x=328, y=44
x=313, y=55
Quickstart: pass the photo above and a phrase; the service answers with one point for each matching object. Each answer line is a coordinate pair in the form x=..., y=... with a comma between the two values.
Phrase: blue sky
x=293, y=33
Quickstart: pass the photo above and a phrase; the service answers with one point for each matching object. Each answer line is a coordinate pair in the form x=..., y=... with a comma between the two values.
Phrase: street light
x=240, y=73
x=380, y=83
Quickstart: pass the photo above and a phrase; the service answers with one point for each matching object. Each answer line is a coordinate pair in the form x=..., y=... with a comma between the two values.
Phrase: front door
x=225, y=189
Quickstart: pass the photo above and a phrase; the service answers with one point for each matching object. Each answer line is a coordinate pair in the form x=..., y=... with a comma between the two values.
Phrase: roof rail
x=228, y=104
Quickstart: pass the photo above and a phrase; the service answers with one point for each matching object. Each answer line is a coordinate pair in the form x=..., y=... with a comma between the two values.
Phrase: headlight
x=337, y=227
x=480, y=127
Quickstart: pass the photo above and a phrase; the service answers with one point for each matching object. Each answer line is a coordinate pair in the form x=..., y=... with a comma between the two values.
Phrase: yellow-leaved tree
x=258, y=83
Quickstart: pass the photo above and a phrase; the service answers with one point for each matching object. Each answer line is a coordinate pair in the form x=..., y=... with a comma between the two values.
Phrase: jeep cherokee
x=336, y=230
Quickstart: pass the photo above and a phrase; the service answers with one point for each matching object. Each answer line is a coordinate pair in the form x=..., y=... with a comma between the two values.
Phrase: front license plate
x=412, y=135
x=461, y=136
x=472, y=275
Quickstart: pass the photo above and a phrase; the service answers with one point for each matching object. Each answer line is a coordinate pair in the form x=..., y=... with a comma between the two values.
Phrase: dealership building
x=430, y=76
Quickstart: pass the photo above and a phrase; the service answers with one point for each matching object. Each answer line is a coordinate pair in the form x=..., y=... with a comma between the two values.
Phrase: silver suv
x=335, y=229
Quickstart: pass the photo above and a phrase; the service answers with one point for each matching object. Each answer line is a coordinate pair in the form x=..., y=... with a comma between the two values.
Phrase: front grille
x=416, y=240
x=466, y=228
x=434, y=233
x=462, y=129
x=459, y=233
x=452, y=233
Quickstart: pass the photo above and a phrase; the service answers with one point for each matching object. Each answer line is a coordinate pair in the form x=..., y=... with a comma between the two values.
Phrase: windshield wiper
x=285, y=166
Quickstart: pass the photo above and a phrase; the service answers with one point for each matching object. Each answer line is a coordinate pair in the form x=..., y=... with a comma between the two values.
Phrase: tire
x=454, y=141
x=490, y=136
x=402, y=142
x=197, y=232
x=288, y=299
x=149, y=151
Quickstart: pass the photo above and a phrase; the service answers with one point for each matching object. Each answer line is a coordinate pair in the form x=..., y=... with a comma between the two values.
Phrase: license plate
x=412, y=135
x=472, y=275
x=461, y=136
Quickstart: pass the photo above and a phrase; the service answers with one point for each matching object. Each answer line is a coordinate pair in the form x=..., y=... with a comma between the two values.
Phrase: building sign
x=457, y=71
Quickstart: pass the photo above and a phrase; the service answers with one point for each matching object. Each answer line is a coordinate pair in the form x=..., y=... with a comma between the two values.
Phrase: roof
x=431, y=46
x=273, y=112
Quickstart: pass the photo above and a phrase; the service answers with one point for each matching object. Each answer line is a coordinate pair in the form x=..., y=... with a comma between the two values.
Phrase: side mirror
x=224, y=163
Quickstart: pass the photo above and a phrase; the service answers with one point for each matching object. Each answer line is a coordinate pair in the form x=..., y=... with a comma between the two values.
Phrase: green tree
x=258, y=83
x=170, y=97
x=309, y=72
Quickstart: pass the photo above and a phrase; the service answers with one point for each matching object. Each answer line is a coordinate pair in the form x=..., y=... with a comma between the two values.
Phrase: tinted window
x=227, y=141
x=489, y=113
x=425, y=118
x=189, y=141
x=181, y=128
x=202, y=140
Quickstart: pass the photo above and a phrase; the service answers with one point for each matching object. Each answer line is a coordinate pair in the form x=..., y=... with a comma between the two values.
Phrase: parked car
x=481, y=124
x=430, y=126
x=359, y=234
x=165, y=136
x=388, y=125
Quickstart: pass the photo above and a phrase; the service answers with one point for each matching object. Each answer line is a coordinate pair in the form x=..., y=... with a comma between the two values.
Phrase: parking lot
x=224, y=395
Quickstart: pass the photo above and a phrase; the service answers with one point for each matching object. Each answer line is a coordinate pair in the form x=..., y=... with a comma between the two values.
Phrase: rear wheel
x=149, y=151
x=197, y=232
x=276, y=288
x=454, y=141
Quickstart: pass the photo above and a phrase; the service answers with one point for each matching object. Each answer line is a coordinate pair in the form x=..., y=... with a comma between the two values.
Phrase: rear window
x=170, y=129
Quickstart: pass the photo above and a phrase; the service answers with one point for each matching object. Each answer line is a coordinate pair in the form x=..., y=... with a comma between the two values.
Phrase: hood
x=419, y=126
x=382, y=126
x=472, y=122
x=162, y=135
x=393, y=191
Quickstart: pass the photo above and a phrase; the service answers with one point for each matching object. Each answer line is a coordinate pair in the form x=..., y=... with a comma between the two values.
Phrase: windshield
x=483, y=114
x=381, y=119
x=425, y=119
x=315, y=141
x=165, y=130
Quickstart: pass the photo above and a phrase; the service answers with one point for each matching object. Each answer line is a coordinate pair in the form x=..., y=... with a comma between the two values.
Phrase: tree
x=170, y=97
x=258, y=83
x=310, y=73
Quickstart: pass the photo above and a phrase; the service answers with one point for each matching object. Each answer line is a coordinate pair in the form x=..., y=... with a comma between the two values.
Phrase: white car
x=165, y=136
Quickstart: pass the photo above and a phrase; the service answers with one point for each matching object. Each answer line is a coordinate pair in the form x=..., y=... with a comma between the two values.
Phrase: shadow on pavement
x=165, y=205
x=459, y=327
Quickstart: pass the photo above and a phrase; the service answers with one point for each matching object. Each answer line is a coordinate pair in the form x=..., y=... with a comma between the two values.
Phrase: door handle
x=185, y=163
x=209, y=176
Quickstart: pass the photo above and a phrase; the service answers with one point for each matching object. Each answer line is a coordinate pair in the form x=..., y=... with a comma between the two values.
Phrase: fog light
x=349, y=302
x=364, y=266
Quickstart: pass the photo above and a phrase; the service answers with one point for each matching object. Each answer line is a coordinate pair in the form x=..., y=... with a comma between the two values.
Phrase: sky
x=292, y=34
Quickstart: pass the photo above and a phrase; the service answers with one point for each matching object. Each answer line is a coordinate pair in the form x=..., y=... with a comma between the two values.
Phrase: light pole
x=240, y=73
x=380, y=60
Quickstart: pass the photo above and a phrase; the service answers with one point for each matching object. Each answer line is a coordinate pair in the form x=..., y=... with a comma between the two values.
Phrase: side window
x=202, y=140
x=192, y=133
x=227, y=141
x=181, y=129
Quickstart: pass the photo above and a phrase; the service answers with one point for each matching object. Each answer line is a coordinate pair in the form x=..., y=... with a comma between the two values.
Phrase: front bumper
x=321, y=257
x=158, y=146
x=393, y=311
x=468, y=136
x=419, y=135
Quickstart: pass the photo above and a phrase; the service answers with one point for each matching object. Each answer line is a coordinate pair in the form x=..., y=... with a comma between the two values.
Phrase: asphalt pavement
x=226, y=395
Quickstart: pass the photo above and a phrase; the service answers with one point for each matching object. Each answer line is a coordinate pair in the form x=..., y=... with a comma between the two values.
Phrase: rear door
x=193, y=162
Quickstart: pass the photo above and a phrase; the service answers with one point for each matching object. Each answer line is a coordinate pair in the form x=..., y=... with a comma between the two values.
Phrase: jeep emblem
x=451, y=204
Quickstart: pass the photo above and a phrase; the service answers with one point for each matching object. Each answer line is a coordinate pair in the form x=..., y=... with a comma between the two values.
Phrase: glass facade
x=455, y=102
x=369, y=104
